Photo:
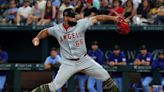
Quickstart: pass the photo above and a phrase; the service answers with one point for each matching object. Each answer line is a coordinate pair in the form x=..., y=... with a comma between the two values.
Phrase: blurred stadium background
x=21, y=20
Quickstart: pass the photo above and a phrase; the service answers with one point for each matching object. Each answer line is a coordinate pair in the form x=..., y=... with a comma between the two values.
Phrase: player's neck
x=94, y=50
x=65, y=25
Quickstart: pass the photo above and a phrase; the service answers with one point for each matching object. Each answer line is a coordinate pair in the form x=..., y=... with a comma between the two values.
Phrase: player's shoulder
x=90, y=50
x=110, y=54
x=48, y=58
x=58, y=56
x=138, y=55
x=83, y=19
x=122, y=53
x=4, y=52
x=149, y=54
x=55, y=26
x=99, y=51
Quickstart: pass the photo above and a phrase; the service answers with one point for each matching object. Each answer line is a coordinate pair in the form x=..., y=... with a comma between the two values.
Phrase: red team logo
x=75, y=36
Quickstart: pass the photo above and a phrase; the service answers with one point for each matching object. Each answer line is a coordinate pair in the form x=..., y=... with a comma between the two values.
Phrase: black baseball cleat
x=42, y=88
x=110, y=86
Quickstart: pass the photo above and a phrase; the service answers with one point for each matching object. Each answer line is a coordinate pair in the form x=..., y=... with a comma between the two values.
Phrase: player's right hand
x=35, y=41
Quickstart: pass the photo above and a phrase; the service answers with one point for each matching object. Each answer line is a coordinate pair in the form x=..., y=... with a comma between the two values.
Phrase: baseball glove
x=123, y=27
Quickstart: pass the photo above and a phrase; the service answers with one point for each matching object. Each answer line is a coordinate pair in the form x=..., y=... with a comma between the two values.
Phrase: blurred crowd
x=43, y=12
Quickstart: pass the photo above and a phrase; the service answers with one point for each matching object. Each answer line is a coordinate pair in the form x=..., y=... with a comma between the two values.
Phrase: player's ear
x=65, y=18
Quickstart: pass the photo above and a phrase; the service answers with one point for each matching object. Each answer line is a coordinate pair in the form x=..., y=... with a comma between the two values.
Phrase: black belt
x=76, y=59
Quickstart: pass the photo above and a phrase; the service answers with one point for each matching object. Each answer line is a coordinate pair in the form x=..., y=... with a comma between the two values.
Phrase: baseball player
x=71, y=37
x=158, y=64
x=95, y=53
x=3, y=60
x=82, y=78
x=144, y=58
x=117, y=58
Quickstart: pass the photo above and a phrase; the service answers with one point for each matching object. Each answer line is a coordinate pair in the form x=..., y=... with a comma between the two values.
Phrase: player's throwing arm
x=123, y=27
x=42, y=34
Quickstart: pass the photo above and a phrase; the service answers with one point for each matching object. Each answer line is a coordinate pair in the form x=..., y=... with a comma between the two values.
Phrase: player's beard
x=72, y=23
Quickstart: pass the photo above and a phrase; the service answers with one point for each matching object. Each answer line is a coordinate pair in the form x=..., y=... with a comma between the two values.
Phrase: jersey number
x=79, y=42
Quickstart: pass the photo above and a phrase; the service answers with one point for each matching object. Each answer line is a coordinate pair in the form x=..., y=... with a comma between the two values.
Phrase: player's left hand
x=123, y=27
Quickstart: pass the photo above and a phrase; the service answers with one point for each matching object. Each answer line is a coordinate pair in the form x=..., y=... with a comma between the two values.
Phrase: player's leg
x=2, y=82
x=92, y=68
x=53, y=76
x=118, y=82
x=108, y=83
x=82, y=79
x=162, y=81
x=145, y=83
x=99, y=85
x=64, y=73
x=91, y=84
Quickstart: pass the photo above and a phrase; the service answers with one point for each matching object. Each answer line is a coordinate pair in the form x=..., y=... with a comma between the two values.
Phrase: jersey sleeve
x=155, y=64
x=85, y=23
x=47, y=61
x=109, y=58
x=89, y=52
x=52, y=31
x=123, y=57
x=5, y=57
x=100, y=57
x=137, y=57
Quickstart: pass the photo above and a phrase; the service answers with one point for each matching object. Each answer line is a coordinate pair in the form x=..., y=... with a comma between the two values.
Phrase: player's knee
x=90, y=88
x=105, y=76
x=82, y=86
x=82, y=89
x=162, y=82
x=144, y=84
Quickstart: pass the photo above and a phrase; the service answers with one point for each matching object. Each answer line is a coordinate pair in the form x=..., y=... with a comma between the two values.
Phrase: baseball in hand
x=35, y=41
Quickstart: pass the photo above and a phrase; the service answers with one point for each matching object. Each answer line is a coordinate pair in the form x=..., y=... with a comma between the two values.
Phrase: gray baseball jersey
x=72, y=40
